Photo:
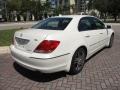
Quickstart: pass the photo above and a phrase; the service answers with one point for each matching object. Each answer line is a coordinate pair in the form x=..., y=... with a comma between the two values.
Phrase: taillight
x=47, y=46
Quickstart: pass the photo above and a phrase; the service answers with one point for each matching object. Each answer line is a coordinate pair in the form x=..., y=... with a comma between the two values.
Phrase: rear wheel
x=111, y=41
x=78, y=61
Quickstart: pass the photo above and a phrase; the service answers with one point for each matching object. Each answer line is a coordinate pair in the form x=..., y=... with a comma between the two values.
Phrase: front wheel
x=111, y=41
x=78, y=61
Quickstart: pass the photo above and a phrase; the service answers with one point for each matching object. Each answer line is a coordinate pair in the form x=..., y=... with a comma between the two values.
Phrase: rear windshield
x=53, y=24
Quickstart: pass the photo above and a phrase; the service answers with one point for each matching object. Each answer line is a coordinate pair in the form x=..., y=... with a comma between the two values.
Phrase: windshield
x=53, y=24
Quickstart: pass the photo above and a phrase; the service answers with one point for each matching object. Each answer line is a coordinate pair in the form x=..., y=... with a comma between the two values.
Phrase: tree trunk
x=105, y=15
x=115, y=18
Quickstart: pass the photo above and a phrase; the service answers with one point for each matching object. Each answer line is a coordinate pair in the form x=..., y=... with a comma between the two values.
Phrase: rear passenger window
x=84, y=24
x=98, y=24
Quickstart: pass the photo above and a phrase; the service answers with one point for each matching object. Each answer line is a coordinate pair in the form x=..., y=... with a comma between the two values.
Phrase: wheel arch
x=84, y=48
x=113, y=34
x=70, y=61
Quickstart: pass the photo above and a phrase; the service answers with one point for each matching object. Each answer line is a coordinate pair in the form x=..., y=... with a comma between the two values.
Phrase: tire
x=111, y=41
x=78, y=61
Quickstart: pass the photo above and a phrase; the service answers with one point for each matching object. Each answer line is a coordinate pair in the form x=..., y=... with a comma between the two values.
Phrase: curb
x=4, y=49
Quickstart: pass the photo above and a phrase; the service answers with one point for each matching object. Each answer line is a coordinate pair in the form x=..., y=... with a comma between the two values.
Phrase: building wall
x=76, y=6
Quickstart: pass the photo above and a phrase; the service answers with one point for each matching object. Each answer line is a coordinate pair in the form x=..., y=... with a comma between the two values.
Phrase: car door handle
x=87, y=36
x=101, y=33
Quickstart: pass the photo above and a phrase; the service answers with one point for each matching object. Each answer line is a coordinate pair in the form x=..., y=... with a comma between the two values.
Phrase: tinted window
x=53, y=24
x=90, y=23
x=98, y=24
x=84, y=24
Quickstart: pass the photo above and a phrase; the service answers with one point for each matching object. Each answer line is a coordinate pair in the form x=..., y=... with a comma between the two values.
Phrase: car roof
x=74, y=16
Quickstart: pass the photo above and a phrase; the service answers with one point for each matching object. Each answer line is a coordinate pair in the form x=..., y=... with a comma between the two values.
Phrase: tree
x=102, y=7
x=105, y=7
x=47, y=8
x=12, y=6
x=28, y=7
x=25, y=5
x=58, y=10
x=39, y=9
x=114, y=8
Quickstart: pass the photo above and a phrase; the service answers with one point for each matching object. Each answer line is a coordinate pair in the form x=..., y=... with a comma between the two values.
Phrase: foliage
x=32, y=6
x=114, y=8
x=13, y=5
x=111, y=7
x=58, y=11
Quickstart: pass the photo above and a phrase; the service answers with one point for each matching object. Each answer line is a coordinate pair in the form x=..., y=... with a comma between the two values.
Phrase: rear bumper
x=45, y=65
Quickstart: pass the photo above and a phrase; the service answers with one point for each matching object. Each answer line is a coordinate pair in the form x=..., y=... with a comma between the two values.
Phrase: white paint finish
x=70, y=40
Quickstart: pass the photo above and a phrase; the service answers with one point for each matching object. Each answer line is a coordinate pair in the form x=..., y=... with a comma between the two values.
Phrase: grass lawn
x=6, y=37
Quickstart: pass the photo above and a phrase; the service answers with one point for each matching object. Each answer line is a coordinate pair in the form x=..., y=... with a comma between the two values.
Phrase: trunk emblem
x=35, y=40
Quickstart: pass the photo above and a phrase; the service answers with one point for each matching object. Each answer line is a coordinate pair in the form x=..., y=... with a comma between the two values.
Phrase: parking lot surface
x=101, y=72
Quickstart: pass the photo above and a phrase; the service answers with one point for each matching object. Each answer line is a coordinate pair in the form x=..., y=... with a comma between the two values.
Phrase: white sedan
x=61, y=43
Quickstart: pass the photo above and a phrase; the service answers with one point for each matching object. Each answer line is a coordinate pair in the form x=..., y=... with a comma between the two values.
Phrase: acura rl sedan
x=60, y=43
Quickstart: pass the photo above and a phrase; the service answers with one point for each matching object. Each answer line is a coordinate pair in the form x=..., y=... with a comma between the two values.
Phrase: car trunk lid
x=28, y=40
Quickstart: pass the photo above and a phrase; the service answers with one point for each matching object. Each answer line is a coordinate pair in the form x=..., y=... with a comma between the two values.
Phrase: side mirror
x=109, y=27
